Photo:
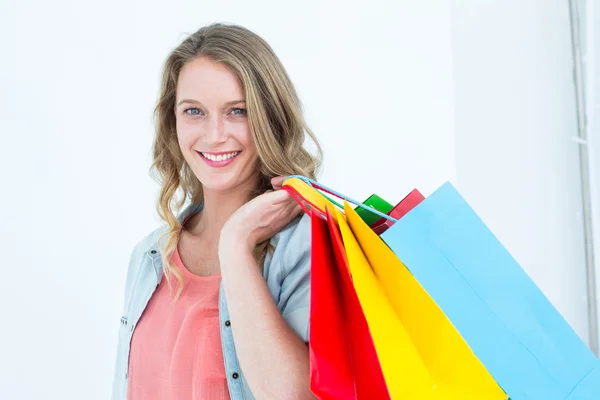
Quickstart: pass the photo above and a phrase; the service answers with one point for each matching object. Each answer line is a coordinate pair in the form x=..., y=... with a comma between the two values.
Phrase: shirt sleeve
x=294, y=299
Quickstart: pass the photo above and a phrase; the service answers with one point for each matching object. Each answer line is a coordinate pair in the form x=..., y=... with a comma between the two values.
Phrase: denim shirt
x=286, y=273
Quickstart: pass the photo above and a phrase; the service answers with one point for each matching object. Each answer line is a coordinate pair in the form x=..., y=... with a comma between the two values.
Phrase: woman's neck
x=217, y=208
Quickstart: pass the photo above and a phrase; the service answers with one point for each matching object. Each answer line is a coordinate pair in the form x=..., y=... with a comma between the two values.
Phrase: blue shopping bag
x=510, y=325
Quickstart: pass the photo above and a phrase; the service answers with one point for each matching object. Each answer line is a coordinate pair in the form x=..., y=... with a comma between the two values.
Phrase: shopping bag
x=424, y=359
x=453, y=368
x=510, y=325
x=367, y=374
x=369, y=378
x=399, y=210
x=523, y=341
x=403, y=369
x=376, y=202
x=331, y=374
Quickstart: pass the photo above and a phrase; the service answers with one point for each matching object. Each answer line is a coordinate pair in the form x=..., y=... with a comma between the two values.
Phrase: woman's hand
x=259, y=219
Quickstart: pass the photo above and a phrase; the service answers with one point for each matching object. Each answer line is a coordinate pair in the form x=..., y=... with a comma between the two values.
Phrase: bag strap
x=306, y=189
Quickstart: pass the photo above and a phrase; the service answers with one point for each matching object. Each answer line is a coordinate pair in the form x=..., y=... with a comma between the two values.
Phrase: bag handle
x=303, y=188
x=303, y=193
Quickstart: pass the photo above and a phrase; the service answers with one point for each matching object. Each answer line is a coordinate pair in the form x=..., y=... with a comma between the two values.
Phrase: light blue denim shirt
x=286, y=273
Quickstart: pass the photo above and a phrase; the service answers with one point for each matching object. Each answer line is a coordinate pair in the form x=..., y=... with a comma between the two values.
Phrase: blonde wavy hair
x=275, y=120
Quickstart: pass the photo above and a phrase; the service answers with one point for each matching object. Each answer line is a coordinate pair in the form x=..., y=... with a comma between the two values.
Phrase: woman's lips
x=219, y=160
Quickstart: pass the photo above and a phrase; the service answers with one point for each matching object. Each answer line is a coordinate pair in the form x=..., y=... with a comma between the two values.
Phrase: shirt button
x=235, y=375
x=227, y=323
x=153, y=252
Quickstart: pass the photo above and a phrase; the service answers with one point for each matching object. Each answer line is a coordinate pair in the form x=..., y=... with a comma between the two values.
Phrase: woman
x=217, y=300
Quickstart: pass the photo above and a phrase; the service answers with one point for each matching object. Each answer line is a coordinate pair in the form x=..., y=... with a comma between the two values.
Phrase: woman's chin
x=225, y=182
x=218, y=184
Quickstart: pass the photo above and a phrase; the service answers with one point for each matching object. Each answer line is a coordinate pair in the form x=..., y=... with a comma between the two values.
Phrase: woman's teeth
x=220, y=157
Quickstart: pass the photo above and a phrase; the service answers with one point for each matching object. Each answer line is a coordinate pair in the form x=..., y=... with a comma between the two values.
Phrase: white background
x=402, y=94
x=590, y=24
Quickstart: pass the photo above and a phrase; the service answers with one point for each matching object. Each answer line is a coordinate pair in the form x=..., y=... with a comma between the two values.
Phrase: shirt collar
x=154, y=251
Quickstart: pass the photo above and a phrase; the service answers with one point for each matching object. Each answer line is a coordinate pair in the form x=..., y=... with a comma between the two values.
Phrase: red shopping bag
x=401, y=209
x=344, y=364
x=331, y=374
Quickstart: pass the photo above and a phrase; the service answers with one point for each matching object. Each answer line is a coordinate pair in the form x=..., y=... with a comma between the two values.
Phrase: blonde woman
x=217, y=300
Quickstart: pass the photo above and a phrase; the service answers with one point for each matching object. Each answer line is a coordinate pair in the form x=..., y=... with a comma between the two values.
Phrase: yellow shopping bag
x=421, y=354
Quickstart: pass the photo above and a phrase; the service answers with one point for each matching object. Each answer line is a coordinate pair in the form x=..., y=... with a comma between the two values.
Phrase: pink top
x=176, y=349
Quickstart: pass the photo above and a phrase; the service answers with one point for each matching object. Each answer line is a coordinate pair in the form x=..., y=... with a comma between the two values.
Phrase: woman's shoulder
x=149, y=241
x=298, y=228
x=291, y=253
x=288, y=273
x=295, y=237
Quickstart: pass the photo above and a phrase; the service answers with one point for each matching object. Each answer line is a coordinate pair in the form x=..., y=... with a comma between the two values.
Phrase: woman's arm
x=274, y=359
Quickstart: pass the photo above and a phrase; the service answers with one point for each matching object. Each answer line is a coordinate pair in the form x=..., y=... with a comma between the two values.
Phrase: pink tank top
x=176, y=351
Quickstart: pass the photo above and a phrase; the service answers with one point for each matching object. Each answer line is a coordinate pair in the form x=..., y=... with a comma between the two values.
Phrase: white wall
x=590, y=24
x=514, y=122
x=380, y=94
x=380, y=85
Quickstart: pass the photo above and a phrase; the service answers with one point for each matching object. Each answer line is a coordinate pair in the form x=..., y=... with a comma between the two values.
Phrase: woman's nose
x=215, y=131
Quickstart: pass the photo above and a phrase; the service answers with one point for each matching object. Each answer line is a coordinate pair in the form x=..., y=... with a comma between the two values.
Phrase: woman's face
x=212, y=126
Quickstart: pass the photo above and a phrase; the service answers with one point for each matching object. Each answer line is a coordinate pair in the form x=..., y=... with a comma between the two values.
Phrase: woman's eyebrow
x=229, y=103
x=188, y=101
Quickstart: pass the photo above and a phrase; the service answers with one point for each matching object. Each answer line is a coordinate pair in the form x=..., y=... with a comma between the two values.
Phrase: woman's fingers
x=280, y=196
x=277, y=182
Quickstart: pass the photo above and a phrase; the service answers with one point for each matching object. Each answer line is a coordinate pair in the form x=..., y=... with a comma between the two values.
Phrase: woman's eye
x=192, y=111
x=238, y=111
